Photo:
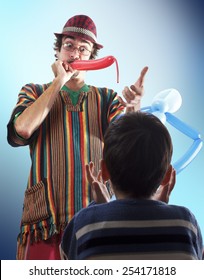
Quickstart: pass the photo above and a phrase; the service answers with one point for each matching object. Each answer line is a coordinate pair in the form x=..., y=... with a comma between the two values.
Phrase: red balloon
x=96, y=64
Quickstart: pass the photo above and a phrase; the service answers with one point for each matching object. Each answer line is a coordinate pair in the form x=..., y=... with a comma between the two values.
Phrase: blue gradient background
x=165, y=35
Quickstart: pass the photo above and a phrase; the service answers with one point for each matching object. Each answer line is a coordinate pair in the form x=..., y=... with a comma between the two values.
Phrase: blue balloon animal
x=164, y=104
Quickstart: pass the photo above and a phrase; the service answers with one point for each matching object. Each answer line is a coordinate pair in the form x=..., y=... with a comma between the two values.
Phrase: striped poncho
x=70, y=137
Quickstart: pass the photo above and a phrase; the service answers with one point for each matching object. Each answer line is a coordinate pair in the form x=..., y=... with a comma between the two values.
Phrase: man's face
x=75, y=49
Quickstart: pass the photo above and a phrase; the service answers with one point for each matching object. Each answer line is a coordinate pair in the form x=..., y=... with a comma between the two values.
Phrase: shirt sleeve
x=116, y=109
x=27, y=96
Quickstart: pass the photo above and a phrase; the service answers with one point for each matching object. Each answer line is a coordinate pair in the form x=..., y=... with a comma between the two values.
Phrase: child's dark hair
x=58, y=45
x=137, y=152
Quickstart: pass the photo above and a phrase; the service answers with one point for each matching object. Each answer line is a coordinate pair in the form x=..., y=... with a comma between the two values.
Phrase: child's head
x=137, y=153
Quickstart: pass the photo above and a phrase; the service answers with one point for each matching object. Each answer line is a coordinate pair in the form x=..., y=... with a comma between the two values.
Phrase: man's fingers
x=128, y=95
x=140, y=81
x=142, y=75
x=137, y=90
x=122, y=102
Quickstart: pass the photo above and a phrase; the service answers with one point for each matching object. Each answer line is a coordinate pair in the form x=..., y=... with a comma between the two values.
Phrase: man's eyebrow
x=87, y=42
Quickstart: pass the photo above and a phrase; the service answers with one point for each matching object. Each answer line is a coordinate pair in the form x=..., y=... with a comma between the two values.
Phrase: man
x=64, y=123
x=139, y=224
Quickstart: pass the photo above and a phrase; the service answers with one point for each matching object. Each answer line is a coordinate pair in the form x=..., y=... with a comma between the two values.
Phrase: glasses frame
x=73, y=48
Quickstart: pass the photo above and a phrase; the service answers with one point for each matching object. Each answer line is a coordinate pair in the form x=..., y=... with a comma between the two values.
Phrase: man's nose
x=75, y=53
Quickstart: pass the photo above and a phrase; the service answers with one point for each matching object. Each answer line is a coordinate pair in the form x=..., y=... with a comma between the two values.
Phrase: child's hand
x=99, y=190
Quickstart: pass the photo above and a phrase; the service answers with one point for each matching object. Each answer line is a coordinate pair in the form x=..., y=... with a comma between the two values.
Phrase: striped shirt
x=70, y=136
x=133, y=229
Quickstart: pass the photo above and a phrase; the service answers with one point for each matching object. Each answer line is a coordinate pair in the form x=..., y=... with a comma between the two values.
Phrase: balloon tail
x=117, y=69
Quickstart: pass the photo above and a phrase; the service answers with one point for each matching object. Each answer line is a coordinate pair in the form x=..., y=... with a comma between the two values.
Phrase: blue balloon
x=163, y=105
x=193, y=150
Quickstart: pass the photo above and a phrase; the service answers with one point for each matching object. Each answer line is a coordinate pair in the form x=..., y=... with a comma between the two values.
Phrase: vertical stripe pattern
x=67, y=140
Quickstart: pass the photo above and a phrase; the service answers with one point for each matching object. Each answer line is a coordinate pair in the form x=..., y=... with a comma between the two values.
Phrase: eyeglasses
x=81, y=49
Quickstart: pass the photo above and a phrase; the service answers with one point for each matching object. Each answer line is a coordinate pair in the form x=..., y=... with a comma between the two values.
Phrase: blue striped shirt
x=133, y=229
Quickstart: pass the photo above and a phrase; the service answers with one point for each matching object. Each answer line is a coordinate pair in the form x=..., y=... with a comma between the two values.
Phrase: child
x=139, y=224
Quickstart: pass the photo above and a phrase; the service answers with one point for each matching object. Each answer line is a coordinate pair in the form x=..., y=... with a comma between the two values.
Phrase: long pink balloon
x=96, y=64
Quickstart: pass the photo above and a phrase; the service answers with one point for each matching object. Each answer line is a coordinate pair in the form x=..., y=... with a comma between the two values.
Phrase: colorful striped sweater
x=70, y=137
x=133, y=229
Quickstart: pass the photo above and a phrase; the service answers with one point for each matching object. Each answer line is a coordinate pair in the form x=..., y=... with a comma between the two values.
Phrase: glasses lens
x=70, y=47
x=83, y=50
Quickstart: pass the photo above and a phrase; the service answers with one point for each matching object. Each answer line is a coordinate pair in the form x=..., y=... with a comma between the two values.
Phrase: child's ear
x=167, y=176
x=104, y=171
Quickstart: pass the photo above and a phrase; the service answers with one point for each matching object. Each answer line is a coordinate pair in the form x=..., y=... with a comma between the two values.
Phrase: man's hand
x=134, y=94
x=99, y=190
x=63, y=71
